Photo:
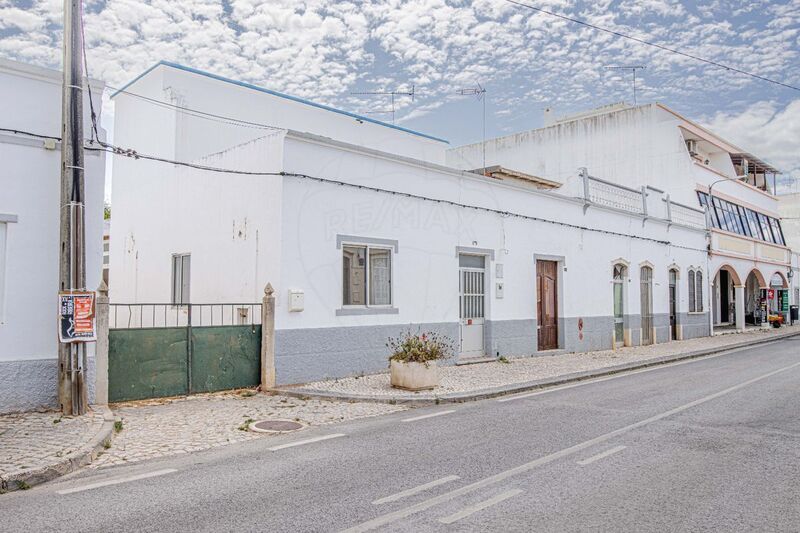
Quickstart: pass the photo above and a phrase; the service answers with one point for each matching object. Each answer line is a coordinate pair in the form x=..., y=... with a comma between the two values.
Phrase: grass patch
x=118, y=426
x=503, y=359
x=21, y=485
x=246, y=425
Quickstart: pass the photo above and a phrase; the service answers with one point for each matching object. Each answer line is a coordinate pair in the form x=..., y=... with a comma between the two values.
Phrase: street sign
x=76, y=317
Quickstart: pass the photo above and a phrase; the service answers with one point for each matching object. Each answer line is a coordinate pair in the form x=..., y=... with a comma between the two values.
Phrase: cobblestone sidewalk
x=33, y=442
x=158, y=428
x=487, y=376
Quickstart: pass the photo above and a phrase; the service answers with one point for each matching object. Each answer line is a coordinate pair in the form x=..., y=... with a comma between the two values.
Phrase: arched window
x=692, y=307
x=698, y=293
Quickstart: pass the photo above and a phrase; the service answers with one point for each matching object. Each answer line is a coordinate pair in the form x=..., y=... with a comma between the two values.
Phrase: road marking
x=624, y=374
x=307, y=441
x=117, y=481
x=415, y=490
x=423, y=417
x=472, y=509
x=601, y=455
x=388, y=518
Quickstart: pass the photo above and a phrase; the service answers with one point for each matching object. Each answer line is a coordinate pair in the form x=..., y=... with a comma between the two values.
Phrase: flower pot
x=414, y=376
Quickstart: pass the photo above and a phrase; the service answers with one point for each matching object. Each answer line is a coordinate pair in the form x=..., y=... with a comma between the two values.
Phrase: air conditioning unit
x=691, y=145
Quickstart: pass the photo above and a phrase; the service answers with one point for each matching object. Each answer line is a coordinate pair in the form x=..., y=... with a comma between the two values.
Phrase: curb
x=460, y=397
x=66, y=465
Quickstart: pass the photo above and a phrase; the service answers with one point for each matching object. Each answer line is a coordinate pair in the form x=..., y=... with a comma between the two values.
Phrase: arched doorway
x=755, y=295
x=673, y=304
x=619, y=275
x=646, y=281
x=724, y=297
x=778, y=296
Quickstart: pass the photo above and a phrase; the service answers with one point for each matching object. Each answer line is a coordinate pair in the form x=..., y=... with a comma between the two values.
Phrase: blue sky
x=324, y=50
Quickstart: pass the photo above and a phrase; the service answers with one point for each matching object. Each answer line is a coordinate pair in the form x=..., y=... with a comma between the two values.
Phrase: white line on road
x=415, y=490
x=307, y=441
x=423, y=417
x=472, y=509
x=601, y=455
x=624, y=374
x=117, y=481
x=389, y=518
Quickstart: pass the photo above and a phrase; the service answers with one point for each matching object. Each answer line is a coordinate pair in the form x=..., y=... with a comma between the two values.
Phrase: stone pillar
x=739, y=297
x=101, y=346
x=268, y=339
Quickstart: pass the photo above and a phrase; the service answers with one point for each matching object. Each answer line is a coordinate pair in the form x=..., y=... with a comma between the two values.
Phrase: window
x=698, y=293
x=180, y=278
x=366, y=276
x=776, y=231
x=741, y=220
x=695, y=285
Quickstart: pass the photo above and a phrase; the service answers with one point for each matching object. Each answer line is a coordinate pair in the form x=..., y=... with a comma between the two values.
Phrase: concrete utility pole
x=72, y=264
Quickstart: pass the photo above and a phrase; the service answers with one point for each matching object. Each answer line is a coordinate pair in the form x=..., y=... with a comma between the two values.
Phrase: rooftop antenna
x=480, y=93
x=633, y=69
x=393, y=94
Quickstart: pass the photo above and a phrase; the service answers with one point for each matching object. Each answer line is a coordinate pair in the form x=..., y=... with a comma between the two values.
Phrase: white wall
x=30, y=99
x=637, y=146
x=229, y=224
x=197, y=137
x=789, y=206
x=425, y=278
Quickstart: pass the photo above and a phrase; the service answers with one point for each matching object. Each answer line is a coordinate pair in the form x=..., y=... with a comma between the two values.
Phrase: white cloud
x=766, y=130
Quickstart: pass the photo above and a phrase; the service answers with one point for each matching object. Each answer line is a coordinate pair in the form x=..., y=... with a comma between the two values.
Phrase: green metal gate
x=158, y=350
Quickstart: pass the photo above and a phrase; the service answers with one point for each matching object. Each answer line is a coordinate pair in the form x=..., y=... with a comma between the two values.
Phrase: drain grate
x=276, y=426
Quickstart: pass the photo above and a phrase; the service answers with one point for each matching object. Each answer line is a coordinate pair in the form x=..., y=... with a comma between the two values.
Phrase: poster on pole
x=76, y=317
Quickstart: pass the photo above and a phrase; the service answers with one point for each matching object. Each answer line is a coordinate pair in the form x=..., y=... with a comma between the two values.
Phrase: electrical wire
x=198, y=113
x=127, y=152
x=136, y=155
x=654, y=45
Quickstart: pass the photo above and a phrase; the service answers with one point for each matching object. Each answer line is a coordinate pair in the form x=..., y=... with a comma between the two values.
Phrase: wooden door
x=547, y=304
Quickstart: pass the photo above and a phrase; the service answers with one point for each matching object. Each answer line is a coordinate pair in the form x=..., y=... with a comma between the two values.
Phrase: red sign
x=771, y=294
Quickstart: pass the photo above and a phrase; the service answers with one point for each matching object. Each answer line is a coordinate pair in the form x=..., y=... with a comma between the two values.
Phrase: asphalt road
x=707, y=445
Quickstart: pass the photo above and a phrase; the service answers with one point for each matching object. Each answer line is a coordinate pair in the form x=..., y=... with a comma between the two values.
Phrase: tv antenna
x=480, y=93
x=393, y=94
x=633, y=69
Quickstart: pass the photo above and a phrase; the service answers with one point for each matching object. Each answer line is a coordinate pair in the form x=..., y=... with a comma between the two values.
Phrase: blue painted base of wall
x=31, y=385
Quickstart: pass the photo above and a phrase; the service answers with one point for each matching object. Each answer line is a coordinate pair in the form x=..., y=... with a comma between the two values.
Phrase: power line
x=127, y=152
x=224, y=119
x=135, y=155
x=654, y=45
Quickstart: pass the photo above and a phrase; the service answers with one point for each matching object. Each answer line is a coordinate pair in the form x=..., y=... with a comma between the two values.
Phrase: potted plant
x=412, y=365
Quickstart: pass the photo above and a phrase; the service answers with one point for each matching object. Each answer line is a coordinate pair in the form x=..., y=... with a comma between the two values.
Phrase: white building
x=789, y=208
x=30, y=100
x=653, y=146
x=371, y=234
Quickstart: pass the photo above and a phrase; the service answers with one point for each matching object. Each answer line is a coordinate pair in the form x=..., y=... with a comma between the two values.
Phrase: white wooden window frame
x=368, y=244
x=699, y=308
x=178, y=302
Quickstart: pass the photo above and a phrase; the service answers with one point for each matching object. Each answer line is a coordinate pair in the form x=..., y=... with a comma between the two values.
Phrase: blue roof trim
x=273, y=93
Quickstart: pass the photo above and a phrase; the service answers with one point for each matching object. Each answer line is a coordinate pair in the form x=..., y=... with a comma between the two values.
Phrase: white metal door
x=471, y=304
